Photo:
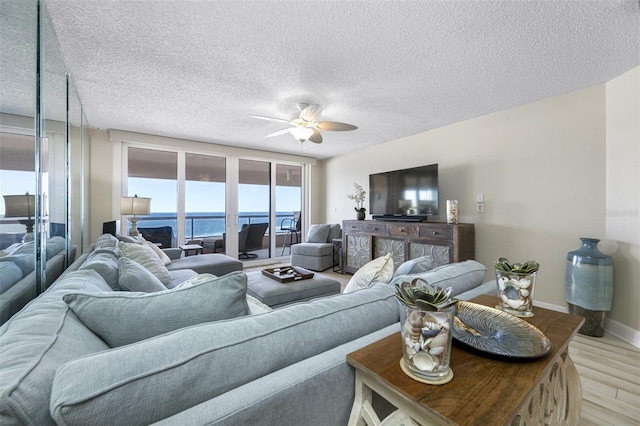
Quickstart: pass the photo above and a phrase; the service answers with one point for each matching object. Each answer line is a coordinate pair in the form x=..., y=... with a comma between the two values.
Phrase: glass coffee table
x=485, y=390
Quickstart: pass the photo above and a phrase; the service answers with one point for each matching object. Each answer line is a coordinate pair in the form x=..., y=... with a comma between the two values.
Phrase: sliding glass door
x=153, y=174
x=205, y=200
x=226, y=204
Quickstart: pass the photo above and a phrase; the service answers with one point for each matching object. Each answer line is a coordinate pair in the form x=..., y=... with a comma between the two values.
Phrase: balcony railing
x=209, y=225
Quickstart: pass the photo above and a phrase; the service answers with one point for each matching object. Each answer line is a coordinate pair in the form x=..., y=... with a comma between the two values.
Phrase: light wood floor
x=609, y=370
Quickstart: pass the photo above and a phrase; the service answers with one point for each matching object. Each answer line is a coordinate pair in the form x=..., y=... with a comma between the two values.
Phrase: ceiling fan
x=306, y=126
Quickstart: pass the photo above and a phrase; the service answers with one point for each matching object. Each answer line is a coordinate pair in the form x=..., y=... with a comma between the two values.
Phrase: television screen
x=408, y=193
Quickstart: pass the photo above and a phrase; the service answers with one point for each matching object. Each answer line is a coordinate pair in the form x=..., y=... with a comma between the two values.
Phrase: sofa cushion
x=55, y=245
x=318, y=233
x=160, y=312
x=36, y=341
x=378, y=270
x=335, y=232
x=106, y=264
x=179, y=276
x=313, y=249
x=133, y=276
x=210, y=263
x=461, y=276
x=145, y=256
x=23, y=261
x=10, y=273
x=211, y=359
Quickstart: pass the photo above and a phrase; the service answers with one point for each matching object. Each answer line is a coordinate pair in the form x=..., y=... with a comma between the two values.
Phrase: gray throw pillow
x=133, y=276
x=318, y=233
x=121, y=318
x=460, y=276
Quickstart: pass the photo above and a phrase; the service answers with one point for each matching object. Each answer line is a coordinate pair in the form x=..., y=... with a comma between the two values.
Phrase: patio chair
x=250, y=238
x=293, y=226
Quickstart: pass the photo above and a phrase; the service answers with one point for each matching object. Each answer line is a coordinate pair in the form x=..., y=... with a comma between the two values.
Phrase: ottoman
x=275, y=294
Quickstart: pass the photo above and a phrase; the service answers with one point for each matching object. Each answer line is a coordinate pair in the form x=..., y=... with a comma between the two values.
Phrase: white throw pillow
x=158, y=251
x=380, y=270
x=145, y=256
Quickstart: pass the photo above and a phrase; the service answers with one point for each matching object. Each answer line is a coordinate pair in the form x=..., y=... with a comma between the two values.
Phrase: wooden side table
x=484, y=391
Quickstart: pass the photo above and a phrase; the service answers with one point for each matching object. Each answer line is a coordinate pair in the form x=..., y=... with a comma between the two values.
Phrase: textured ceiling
x=197, y=69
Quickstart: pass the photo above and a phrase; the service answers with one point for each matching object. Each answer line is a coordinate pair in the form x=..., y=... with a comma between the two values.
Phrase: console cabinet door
x=370, y=239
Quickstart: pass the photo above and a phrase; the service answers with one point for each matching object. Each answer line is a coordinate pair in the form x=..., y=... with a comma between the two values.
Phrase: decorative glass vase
x=515, y=292
x=452, y=211
x=426, y=345
x=589, y=285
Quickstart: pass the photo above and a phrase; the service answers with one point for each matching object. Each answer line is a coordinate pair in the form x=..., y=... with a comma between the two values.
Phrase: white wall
x=623, y=198
x=543, y=170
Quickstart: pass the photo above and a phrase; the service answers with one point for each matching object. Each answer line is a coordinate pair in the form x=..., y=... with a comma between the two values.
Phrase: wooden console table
x=484, y=390
x=365, y=240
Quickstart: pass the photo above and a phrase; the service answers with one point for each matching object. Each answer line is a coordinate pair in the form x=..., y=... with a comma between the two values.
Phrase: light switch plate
x=480, y=198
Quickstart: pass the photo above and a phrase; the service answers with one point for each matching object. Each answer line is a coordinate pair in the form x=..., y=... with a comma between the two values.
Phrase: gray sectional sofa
x=18, y=277
x=87, y=352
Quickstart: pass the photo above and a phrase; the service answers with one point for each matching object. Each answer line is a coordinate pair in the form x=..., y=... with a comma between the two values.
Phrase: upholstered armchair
x=316, y=253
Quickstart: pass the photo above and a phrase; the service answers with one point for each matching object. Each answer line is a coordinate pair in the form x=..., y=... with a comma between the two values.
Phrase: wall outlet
x=480, y=207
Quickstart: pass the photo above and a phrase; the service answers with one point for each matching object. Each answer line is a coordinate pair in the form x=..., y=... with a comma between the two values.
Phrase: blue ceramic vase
x=589, y=285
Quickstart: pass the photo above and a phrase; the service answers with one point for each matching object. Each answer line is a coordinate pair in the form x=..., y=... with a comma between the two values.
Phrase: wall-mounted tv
x=407, y=194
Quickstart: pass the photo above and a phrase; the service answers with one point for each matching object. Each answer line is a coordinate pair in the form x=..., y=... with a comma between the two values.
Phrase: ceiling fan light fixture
x=301, y=133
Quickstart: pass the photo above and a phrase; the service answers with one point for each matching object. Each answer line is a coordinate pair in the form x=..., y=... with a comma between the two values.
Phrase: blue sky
x=207, y=197
x=202, y=197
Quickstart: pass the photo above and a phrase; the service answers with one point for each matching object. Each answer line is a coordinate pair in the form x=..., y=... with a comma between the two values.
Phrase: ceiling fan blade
x=316, y=137
x=311, y=113
x=279, y=132
x=262, y=117
x=335, y=126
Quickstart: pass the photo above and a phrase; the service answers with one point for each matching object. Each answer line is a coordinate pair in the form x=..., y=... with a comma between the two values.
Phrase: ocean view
x=200, y=225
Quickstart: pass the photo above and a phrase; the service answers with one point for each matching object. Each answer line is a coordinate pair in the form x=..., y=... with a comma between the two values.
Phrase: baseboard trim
x=616, y=328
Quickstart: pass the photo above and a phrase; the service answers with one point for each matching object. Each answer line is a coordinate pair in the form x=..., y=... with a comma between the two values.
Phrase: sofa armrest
x=173, y=253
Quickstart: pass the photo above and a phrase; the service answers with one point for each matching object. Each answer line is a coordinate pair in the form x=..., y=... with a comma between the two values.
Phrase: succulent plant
x=419, y=294
x=527, y=267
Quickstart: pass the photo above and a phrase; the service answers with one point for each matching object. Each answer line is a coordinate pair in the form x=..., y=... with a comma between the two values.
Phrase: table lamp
x=132, y=207
x=21, y=206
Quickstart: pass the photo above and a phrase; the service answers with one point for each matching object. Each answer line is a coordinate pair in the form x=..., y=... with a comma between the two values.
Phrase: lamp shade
x=135, y=205
x=19, y=205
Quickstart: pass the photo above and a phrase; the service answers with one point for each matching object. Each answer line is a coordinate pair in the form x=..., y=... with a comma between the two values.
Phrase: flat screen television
x=407, y=194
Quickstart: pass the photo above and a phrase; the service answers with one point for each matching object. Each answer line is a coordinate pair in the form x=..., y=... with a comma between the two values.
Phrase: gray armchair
x=250, y=238
x=316, y=253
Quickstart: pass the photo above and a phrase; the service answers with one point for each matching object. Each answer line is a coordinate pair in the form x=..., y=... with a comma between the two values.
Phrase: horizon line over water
x=207, y=226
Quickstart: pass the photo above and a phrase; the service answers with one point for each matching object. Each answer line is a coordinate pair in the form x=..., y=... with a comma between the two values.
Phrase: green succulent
x=527, y=267
x=419, y=294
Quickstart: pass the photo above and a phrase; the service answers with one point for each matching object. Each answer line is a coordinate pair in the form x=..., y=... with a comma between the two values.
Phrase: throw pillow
x=121, y=318
x=379, y=270
x=318, y=233
x=145, y=256
x=416, y=266
x=158, y=251
x=133, y=276
x=460, y=276
x=198, y=279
